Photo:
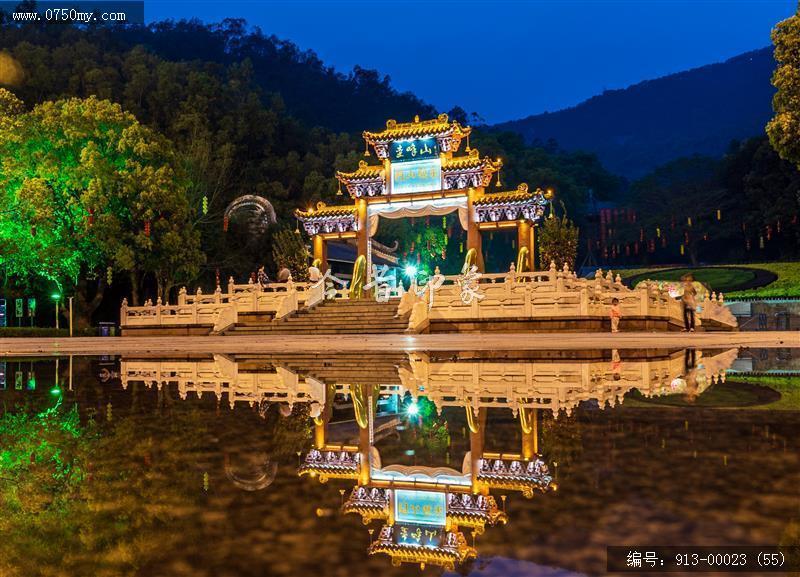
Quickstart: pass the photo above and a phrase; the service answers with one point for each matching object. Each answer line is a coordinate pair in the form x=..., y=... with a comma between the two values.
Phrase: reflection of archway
x=259, y=210
x=255, y=473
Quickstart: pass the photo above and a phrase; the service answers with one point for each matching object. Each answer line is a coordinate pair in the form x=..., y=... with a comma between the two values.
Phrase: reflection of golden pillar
x=321, y=422
x=363, y=398
x=362, y=234
x=473, y=232
x=534, y=256
x=476, y=441
x=529, y=419
x=321, y=252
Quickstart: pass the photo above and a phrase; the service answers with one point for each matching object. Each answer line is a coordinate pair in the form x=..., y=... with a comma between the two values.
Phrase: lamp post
x=57, y=300
x=70, y=316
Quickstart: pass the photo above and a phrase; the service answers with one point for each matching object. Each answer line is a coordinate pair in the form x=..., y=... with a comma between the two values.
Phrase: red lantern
x=91, y=216
x=225, y=223
x=147, y=228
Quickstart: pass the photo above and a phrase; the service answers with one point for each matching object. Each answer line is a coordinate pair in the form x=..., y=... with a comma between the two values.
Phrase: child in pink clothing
x=615, y=313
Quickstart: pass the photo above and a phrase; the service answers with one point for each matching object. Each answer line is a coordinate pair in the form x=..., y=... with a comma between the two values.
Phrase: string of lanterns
x=764, y=234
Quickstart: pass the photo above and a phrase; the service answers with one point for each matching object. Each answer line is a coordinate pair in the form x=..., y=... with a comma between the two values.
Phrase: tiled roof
x=522, y=194
x=419, y=128
x=322, y=210
x=364, y=172
x=471, y=161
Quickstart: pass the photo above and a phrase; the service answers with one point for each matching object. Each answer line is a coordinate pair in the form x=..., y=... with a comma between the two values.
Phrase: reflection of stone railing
x=554, y=385
x=220, y=377
x=218, y=309
x=341, y=462
x=551, y=294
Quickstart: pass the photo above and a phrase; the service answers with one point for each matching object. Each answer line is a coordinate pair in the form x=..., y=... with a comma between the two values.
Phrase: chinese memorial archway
x=421, y=175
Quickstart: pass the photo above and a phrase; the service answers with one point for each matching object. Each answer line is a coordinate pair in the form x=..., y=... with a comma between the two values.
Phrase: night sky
x=506, y=59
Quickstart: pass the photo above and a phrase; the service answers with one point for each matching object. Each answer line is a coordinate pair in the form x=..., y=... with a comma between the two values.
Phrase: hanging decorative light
x=147, y=228
x=205, y=204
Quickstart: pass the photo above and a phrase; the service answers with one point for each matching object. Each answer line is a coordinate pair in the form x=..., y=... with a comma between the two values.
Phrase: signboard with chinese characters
x=419, y=535
x=420, y=507
x=418, y=176
x=410, y=150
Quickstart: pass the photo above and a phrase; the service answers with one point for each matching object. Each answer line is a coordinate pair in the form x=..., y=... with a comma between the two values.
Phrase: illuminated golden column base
x=321, y=252
x=473, y=232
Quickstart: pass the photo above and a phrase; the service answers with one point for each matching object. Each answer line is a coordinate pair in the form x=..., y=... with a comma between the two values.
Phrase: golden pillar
x=321, y=252
x=473, y=232
x=534, y=256
x=524, y=235
x=529, y=422
x=362, y=235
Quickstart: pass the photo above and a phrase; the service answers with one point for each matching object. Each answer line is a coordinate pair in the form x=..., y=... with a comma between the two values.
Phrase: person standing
x=263, y=279
x=615, y=314
x=689, y=301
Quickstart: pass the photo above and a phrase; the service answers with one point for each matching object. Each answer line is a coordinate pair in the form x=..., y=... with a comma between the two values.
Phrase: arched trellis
x=262, y=213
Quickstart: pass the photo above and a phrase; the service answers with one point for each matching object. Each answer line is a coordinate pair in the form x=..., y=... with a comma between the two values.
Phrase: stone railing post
x=644, y=299
x=123, y=313
x=182, y=296
x=584, y=301
x=158, y=311
x=218, y=295
x=231, y=288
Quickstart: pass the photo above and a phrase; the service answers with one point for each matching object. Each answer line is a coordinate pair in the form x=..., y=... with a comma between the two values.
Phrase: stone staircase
x=331, y=318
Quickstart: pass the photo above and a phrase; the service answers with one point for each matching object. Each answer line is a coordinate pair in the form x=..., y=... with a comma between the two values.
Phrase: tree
x=784, y=128
x=86, y=187
x=288, y=249
x=558, y=242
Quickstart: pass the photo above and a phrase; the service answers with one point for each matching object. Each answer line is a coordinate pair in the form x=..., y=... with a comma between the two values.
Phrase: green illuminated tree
x=784, y=128
x=558, y=242
x=87, y=187
x=289, y=249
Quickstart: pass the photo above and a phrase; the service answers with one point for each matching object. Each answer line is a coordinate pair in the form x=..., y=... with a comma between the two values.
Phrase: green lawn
x=788, y=387
x=722, y=278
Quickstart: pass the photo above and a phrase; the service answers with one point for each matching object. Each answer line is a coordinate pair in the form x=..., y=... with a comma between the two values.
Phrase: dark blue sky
x=506, y=59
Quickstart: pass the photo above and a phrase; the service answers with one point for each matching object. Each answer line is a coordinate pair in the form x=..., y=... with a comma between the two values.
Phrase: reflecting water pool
x=482, y=463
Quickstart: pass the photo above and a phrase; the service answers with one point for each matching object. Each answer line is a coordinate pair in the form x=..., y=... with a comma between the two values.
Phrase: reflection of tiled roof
x=524, y=483
x=417, y=129
x=476, y=518
x=471, y=161
x=521, y=195
x=322, y=211
x=334, y=464
x=364, y=172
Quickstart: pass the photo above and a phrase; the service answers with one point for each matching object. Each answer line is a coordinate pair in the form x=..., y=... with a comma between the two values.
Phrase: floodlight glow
x=413, y=409
x=56, y=296
x=411, y=270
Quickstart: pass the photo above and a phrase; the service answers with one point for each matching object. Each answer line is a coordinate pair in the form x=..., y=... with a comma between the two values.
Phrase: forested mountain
x=312, y=91
x=635, y=129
